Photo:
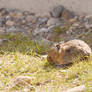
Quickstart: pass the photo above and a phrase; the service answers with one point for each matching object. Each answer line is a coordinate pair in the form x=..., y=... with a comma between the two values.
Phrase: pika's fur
x=68, y=52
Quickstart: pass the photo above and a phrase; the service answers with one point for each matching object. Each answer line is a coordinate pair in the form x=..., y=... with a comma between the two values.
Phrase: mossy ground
x=18, y=57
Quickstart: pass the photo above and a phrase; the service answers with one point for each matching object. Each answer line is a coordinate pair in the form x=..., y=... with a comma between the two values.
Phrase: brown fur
x=68, y=52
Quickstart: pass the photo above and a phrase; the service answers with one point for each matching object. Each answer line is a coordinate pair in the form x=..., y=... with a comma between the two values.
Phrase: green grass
x=19, y=57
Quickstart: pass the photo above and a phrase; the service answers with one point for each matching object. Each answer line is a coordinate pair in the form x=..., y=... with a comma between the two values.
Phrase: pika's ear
x=58, y=47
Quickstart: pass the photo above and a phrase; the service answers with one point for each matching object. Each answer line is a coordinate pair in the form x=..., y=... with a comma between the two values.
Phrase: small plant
x=60, y=30
x=22, y=44
x=40, y=49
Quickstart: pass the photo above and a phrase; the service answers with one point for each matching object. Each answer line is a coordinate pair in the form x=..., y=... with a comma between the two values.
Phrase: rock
x=88, y=26
x=22, y=80
x=16, y=15
x=2, y=22
x=73, y=20
x=43, y=44
x=26, y=89
x=76, y=25
x=66, y=15
x=43, y=21
x=10, y=23
x=31, y=18
x=3, y=41
x=8, y=17
x=81, y=88
x=2, y=31
x=75, y=81
x=40, y=32
x=68, y=52
x=89, y=19
x=3, y=12
x=57, y=11
x=42, y=41
x=15, y=30
x=53, y=21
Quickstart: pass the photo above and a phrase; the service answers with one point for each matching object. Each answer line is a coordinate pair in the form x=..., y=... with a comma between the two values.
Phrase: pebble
x=15, y=30
x=53, y=21
x=76, y=25
x=10, y=23
x=73, y=20
x=81, y=88
x=88, y=26
x=2, y=31
x=16, y=15
x=31, y=18
x=43, y=21
x=22, y=80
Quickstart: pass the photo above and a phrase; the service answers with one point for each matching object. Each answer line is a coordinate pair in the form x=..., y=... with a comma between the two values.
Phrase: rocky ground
x=58, y=25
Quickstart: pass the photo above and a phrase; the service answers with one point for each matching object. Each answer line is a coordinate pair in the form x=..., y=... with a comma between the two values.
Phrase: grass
x=19, y=57
x=59, y=30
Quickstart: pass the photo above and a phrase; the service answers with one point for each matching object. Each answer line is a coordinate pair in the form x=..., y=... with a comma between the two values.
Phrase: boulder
x=56, y=12
x=68, y=52
x=66, y=15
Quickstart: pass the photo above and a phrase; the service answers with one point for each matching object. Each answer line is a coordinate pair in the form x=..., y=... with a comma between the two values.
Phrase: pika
x=68, y=52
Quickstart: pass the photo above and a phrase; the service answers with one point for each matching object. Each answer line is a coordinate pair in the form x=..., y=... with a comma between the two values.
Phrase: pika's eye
x=50, y=59
x=68, y=51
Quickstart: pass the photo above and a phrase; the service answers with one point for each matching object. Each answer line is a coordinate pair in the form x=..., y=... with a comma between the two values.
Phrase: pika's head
x=56, y=54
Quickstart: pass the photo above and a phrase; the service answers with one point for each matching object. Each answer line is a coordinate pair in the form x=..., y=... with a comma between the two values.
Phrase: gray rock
x=89, y=19
x=10, y=23
x=57, y=11
x=76, y=25
x=42, y=21
x=39, y=31
x=8, y=18
x=88, y=26
x=53, y=21
x=2, y=21
x=15, y=30
x=31, y=18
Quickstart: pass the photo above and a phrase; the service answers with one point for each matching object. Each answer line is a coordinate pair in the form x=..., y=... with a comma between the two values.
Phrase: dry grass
x=18, y=57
